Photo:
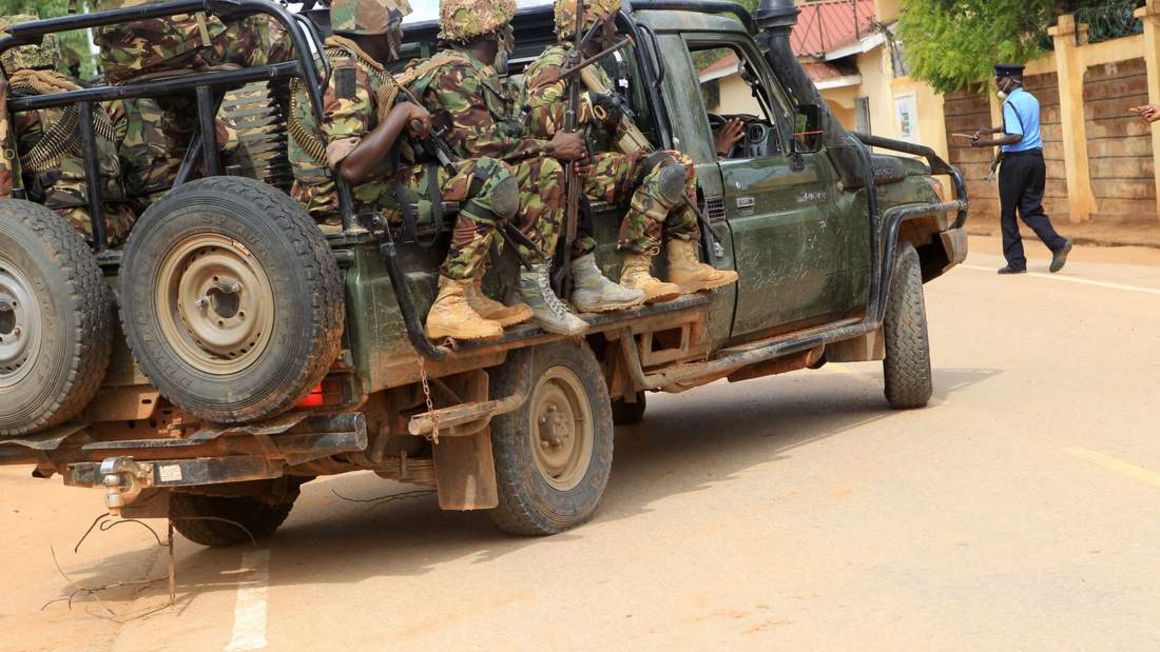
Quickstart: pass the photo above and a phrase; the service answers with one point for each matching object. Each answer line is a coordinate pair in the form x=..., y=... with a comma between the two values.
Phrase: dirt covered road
x=797, y=512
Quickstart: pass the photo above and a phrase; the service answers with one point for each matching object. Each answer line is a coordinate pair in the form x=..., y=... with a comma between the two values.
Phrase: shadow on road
x=687, y=443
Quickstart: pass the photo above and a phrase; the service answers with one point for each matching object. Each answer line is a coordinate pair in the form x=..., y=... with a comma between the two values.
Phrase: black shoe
x=1012, y=270
x=1059, y=258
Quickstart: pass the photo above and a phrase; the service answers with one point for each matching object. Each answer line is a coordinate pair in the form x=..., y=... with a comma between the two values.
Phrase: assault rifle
x=572, y=188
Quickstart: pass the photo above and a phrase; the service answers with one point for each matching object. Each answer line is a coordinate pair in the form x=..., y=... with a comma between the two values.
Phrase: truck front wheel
x=906, y=367
x=553, y=455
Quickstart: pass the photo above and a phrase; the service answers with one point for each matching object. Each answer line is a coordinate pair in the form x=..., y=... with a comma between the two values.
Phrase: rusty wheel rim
x=215, y=303
x=21, y=334
x=562, y=431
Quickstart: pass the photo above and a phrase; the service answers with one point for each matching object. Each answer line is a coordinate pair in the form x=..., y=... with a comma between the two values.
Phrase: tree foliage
x=952, y=44
x=76, y=43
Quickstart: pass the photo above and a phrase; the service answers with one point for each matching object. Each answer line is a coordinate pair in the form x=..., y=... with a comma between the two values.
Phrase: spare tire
x=231, y=299
x=55, y=319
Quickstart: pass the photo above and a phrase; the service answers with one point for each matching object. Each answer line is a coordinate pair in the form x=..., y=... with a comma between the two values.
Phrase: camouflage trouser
x=119, y=219
x=148, y=166
x=66, y=192
x=472, y=186
x=6, y=142
x=649, y=216
x=541, y=205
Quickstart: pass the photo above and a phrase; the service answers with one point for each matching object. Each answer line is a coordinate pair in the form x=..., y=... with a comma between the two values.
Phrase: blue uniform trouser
x=1022, y=177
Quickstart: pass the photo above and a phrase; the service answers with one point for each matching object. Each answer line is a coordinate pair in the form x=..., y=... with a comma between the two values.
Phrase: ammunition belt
x=63, y=135
x=386, y=91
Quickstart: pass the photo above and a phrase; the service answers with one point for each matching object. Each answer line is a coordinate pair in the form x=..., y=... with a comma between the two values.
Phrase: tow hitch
x=124, y=479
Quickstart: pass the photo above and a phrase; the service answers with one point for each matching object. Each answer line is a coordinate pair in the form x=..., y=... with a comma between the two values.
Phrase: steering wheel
x=739, y=148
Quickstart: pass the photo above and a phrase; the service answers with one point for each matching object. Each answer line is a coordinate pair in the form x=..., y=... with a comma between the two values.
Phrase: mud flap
x=465, y=472
x=464, y=466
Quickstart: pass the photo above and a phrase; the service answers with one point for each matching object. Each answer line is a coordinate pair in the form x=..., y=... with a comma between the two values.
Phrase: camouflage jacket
x=143, y=44
x=358, y=91
x=467, y=97
x=546, y=96
x=54, y=170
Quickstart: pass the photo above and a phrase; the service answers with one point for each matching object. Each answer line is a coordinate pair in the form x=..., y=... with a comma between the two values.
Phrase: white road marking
x=1072, y=279
x=250, y=611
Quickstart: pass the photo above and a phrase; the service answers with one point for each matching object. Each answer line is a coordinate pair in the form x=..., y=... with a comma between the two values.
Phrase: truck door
x=799, y=259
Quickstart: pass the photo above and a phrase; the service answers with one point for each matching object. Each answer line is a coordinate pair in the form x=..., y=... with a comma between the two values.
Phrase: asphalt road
x=1017, y=512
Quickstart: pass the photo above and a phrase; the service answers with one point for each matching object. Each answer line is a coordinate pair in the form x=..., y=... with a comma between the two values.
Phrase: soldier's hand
x=727, y=135
x=1147, y=112
x=419, y=121
x=583, y=167
x=567, y=146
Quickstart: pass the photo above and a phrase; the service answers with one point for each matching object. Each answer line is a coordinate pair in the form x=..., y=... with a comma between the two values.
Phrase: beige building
x=849, y=49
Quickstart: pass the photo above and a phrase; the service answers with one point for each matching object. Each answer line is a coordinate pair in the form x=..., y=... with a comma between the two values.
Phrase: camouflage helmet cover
x=28, y=56
x=460, y=20
x=594, y=11
x=366, y=17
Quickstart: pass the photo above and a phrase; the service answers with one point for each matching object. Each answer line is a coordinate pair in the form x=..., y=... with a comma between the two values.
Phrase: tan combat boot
x=592, y=292
x=690, y=273
x=489, y=308
x=635, y=274
x=451, y=316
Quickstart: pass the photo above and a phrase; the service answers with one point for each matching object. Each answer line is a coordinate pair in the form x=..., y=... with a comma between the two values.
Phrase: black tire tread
x=326, y=303
x=906, y=368
x=627, y=414
x=89, y=293
x=519, y=511
x=261, y=519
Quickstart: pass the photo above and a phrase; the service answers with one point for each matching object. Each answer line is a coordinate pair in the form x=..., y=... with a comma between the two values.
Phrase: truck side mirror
x=808, y=129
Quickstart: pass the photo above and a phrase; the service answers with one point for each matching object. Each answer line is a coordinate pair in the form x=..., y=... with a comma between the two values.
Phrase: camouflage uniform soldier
x=184, y=42
x=658, y=183
x=147, y=164
x=464, y=93
x=362, y=124
x=196, y=42
x=49, y=143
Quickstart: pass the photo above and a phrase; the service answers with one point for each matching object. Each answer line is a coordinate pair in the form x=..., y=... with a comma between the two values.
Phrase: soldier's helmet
x=460, y=20
x=595, y=11
x=366, y=17
x=37, y=57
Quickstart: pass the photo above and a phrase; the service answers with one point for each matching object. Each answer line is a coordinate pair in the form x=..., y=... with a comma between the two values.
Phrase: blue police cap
x=1008, y=70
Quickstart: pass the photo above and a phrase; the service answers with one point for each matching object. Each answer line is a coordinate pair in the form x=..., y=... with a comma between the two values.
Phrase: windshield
x=424, y=10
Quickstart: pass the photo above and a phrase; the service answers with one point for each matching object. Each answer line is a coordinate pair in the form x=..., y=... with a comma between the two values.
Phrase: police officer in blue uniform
x=1022, y=173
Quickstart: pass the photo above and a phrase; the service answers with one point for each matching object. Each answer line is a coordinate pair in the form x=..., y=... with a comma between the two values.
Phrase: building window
x=862, y=115
x=906, y=110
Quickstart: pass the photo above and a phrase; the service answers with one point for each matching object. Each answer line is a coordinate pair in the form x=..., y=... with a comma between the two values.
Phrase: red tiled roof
x=830, y=24
x=821, y=71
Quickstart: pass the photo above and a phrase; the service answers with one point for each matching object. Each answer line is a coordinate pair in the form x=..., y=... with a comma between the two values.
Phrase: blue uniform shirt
x=1021, y=116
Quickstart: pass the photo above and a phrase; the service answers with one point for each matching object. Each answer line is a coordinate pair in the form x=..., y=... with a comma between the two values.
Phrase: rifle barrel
x=572, y=70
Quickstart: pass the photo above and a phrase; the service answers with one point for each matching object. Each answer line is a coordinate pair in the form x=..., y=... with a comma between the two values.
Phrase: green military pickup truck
x=255, y=351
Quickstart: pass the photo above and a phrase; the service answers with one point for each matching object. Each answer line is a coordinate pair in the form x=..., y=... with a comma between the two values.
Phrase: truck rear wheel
x=625, y=413
x=554, y=454
x=232, y=301
x=55, y=319
x=214, y=520
x=906, y=367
